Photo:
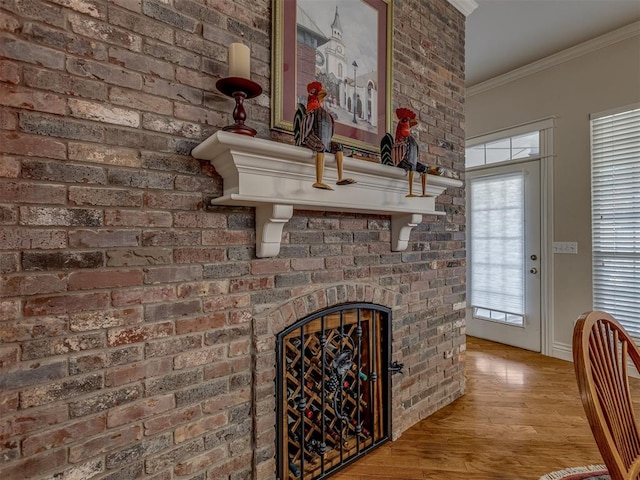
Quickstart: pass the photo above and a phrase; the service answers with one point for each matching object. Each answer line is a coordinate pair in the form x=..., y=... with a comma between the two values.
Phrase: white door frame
x=547, y=155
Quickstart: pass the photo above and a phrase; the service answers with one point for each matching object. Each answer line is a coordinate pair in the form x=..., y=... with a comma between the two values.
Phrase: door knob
x=533, y=270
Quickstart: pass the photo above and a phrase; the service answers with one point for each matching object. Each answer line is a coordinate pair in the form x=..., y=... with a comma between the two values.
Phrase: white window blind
x=615, y=210
x=496, y=263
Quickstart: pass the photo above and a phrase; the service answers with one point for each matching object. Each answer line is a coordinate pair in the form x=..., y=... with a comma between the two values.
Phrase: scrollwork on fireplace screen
x=333, y=389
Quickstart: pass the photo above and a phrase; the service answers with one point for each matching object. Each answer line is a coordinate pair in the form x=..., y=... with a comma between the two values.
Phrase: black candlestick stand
x=240, y=89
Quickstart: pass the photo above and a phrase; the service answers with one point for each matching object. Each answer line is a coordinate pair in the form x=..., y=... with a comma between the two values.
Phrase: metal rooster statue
x=403, y=152
x=313, y=128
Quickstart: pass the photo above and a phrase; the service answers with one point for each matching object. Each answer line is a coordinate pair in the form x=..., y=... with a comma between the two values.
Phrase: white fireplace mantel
x=275, y=178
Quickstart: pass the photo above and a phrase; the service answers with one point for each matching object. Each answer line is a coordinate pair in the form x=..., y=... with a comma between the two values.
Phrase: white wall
x=597, y=81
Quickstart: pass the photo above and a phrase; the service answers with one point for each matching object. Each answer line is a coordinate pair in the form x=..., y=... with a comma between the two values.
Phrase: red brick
x=64, y=435
x=107, y=279
x=199, y=357
x=193, y=113
x=9, y=309
x=108, y=155
x=172, y=419
x=200, y=427
x=8, y=216
x=99, y=112
x=171, y=126
x=85, y=321
x=261, y=267
x=138, y=257
x=202, y=461
x=105, y=443
x=226, y=302
x=199, y=289
x=31, y=284
x=131, y=218
x=32, y=328
x=226, y=401
x=9, y=166
x=119, y=376
x=32, y=145
x=189, y=325
x=199, y=255
x=9, y=71
x=8, y=354
x=199, y=220
x=239, y=348
x=240, y=316
x=24, y=51
x=173, y=274
x=35, y=466
x=21, y=97
x=141, y=296
x=251, y=284
x=141, y=101
x=32, y=238
x=104, y=32
x=66, y=304
x=32, y=193
x=227, y=237
x=57, y=216
x=173, y=310
x=208, y=186
x=173, y=201
x=110, y=197
x=136, y=334
x=139, y=410
x=307, y=263
x=8, y=121
x=103, y=238
x=62, y=83
x=138, y=23
x=9, y=402
x=171, y=237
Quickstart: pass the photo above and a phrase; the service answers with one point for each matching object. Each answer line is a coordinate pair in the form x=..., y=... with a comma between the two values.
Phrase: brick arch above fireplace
x=283, y=315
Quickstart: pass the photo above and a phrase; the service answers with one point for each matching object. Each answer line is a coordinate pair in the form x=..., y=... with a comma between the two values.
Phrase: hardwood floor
x=520, y=418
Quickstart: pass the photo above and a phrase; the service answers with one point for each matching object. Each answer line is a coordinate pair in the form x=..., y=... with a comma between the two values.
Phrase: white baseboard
x=562, y=351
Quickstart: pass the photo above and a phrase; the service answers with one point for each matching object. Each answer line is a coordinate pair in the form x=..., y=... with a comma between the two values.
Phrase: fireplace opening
x=333, y=387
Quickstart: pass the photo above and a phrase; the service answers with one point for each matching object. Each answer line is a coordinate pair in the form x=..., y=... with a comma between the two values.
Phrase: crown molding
x=465, y=6
x=590, y=46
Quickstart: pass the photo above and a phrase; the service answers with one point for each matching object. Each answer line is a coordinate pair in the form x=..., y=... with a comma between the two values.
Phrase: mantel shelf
x=276, y=178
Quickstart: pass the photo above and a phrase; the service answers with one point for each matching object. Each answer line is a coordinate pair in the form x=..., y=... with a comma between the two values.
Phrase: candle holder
x=240, y=89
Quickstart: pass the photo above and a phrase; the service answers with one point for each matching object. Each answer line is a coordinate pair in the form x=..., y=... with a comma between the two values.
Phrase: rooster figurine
x=403, y=152
x=313, y=128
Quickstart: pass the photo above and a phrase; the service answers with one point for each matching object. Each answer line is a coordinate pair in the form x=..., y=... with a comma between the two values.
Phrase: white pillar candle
x=239, y=58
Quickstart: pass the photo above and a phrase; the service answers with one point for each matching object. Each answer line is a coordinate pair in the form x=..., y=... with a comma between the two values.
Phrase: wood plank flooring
x=520, y=418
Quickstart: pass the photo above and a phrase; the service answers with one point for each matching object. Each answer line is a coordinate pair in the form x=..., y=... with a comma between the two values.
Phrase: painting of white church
x=344, y=36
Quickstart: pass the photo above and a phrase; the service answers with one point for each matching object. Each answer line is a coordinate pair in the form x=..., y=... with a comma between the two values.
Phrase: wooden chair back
x=601, y=353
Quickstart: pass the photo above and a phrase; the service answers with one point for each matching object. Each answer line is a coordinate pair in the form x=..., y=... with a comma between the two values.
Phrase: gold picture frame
x=345, y=44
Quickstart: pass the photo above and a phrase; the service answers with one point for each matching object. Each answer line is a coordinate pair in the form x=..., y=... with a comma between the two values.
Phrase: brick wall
x=136, y=323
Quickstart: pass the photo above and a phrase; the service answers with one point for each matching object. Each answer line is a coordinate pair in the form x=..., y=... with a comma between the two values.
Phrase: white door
x=503, y=251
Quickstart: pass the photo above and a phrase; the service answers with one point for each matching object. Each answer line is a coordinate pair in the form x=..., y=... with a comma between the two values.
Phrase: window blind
x=615, y=211
x=497, y=218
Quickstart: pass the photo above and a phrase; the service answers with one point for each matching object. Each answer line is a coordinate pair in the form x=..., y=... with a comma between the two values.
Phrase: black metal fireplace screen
x=333, y=382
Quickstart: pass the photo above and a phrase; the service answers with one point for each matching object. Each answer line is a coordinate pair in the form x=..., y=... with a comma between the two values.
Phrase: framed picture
x=346, y=45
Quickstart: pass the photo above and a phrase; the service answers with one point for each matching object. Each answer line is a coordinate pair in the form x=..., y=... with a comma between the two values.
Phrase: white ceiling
x=502, y=35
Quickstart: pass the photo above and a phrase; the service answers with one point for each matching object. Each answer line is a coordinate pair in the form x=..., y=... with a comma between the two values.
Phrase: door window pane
x=496, y=253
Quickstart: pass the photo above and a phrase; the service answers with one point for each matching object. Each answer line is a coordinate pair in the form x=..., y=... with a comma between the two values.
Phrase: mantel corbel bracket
x=270, y=221
x=401, y=226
